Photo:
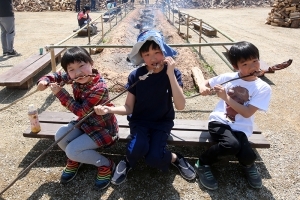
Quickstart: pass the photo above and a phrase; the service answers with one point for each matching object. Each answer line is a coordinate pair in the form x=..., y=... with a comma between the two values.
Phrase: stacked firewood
x=53, y=5
x=219, y=3
x=285, y=13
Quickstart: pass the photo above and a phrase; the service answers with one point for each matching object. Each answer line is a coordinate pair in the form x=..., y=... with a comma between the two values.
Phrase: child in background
x=231, y=122
x=83, y=16
x=150, y=108
x=89, y=90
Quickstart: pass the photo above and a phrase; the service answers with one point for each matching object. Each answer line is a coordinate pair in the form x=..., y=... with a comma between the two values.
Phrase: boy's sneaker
x=104, y=175
x=12, y=54
x=121, y=172
x=70, y=171
x=185, y=169
x=253, y=177
x=206, y=178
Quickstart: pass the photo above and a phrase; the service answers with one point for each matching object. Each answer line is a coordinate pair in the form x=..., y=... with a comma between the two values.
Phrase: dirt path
x=278, y=165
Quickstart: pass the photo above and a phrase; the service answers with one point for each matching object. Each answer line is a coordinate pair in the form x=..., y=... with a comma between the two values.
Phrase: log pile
x=285, y=13
x=219, y=3
x=52, y=5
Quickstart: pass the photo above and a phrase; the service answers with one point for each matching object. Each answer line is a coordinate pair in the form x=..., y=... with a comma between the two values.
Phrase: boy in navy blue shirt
x=150, y=109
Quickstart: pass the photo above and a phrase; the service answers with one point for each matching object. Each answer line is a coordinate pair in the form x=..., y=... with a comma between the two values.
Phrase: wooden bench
x=21, y=75
x=206, y=29
x=184, y=132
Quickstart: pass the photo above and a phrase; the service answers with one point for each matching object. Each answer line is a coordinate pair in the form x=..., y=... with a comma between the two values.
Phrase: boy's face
x=153, y=58
x=79, y=71
x=246, y=67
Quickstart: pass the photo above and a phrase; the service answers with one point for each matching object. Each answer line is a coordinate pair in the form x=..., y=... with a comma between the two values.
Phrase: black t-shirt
x=153, y=107
x=6, y=8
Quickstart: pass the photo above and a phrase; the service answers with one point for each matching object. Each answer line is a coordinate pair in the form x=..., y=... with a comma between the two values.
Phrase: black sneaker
x=253, y=177
x=121, y=172
x=206, y=178
x=185, y=169
x=12, y=54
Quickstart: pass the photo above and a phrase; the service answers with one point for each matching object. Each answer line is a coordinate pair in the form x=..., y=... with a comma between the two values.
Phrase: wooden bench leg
x=26, y=85
x=58, y=58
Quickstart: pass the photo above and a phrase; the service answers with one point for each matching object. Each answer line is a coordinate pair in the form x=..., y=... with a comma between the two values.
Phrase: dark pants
x=150, y=144
x=229, y=143
x=77, y=6
x=93, y=4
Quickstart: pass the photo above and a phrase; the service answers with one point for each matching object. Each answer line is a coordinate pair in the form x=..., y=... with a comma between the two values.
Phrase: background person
x=7, y=24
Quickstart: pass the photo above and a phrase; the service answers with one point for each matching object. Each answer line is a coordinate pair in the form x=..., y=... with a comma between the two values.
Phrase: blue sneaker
x=70, y=171
x=104, y=175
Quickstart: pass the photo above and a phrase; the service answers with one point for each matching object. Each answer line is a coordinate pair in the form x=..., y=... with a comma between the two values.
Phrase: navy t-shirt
x=153, y=107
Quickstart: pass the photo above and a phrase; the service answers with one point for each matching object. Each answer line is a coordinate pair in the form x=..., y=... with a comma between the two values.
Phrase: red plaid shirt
x=100, y=128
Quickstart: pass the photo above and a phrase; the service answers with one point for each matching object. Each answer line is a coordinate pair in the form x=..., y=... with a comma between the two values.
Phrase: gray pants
x=7, y=25
x=79, y=146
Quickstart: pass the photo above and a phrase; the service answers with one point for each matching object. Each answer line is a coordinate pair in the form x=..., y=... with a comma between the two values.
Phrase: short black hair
x=75, y=54
x=242, y=50
x=146, y=46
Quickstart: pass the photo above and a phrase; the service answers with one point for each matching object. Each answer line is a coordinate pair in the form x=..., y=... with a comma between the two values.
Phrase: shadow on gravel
x=143, y=182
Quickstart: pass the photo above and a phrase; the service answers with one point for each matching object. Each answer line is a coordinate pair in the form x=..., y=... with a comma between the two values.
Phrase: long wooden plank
x=179, y=124
x=19, y=67
x=21, y=75
x=190, y=138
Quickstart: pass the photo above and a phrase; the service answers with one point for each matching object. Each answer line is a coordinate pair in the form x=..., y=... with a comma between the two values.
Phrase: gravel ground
x=278, y=165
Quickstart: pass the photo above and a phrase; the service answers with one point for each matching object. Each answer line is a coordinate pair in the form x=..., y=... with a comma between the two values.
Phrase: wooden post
x=178, y=22
x=122, y=7
x=102, y=27
x=169, y=10
x=89, y=36
x=173, y=15
x=187, y=27
x=53, y=62
x=116, y=16
x=109, y=19
x=200, y=34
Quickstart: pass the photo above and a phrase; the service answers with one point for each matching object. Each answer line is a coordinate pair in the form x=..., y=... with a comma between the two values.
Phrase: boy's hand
x=220, y=91
x=42, y=85
x=55, y=88
x=205, y=90
x=102, y=110
x=171, y=65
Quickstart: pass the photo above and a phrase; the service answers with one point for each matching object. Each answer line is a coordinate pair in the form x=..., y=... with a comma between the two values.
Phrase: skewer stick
x=75, y=126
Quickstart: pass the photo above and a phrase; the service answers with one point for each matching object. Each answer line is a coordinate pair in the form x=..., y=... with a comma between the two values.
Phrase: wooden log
x=295, y=23
x=293, y=9
x=197, y=76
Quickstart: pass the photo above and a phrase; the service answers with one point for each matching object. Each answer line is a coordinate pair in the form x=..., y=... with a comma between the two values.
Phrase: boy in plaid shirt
x=89, y=90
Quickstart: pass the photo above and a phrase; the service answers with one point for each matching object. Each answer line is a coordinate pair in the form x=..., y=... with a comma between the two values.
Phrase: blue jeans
x=93, y=4
x=150, y=144
x=79, y=147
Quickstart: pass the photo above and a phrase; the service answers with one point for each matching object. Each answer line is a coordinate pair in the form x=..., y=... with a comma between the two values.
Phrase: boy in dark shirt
x=150, y=109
